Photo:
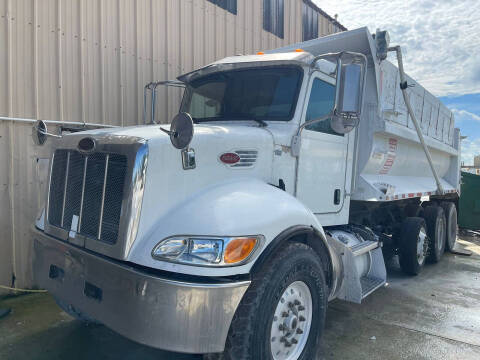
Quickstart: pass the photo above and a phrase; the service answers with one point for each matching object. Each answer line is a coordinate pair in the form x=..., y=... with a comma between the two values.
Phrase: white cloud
x=469, y=125
x=465, y=115
x=440, y=38
x=470, y=148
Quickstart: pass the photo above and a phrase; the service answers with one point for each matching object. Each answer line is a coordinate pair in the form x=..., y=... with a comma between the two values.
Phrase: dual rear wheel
x=425, y=235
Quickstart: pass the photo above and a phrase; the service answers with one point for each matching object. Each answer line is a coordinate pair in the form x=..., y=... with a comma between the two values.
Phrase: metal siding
x=88, y=60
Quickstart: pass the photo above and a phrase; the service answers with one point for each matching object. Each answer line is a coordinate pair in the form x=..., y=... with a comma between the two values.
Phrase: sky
x=441, y=46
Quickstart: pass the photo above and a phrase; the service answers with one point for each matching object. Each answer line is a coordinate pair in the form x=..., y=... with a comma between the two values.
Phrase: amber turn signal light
x=239, y=249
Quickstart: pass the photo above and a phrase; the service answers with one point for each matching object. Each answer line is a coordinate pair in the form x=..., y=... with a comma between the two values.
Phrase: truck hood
x=168, y=185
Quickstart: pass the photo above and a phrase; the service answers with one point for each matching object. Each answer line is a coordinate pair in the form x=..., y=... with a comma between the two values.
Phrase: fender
x=304, y=234
x=238, y=207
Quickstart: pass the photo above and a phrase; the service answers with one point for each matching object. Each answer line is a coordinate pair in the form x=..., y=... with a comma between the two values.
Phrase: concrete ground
x=435, y=315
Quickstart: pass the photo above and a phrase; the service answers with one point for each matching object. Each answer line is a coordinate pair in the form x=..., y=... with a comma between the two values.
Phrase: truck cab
x=228, y=231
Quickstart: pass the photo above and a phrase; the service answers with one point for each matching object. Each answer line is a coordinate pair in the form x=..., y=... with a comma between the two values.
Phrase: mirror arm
x=48, y=134
x=295, y=145
x=44, y=132
x=306, y=123
x=168, y=132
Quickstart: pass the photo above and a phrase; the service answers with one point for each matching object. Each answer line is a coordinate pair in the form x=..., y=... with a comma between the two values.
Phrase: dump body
x=390, y=161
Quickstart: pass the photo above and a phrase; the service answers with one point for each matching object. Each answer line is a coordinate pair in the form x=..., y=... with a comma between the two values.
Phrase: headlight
x=207, y=250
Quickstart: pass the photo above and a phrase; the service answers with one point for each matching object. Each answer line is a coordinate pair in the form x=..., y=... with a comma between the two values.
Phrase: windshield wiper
x=260, y=122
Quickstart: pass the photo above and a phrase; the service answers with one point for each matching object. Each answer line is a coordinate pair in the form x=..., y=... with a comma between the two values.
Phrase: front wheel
x=282, y=314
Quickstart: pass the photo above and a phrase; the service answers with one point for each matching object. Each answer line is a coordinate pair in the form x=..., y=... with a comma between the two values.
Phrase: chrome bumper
x=166, y=314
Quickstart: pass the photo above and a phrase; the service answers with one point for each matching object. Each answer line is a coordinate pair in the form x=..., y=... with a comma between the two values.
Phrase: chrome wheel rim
x=291, y=322
x=421, y=246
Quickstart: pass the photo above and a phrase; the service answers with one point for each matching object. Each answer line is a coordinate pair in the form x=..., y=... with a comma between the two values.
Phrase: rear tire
x=257, y=329
x=436, y=230
x=413, y=210
x=413, y=245
x=451, y=217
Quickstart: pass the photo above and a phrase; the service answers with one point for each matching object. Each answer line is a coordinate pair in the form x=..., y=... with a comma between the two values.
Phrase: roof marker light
x=260, y=53
x=299, y=50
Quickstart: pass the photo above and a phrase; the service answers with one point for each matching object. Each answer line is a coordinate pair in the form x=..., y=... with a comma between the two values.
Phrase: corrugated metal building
x=88, y=61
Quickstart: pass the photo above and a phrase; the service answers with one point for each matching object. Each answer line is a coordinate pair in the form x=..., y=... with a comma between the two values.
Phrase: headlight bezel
x=260, y=241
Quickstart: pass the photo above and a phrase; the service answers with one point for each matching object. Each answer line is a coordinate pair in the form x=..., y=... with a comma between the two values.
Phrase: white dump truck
x=287, y=180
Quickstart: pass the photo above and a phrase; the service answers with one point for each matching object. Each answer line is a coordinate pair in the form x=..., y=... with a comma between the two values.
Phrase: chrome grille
x=89, y=187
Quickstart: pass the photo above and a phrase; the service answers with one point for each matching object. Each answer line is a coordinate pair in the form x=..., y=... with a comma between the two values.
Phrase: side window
x=321, y=102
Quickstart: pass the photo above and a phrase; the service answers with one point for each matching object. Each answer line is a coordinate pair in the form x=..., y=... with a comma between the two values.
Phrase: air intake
x=248, y=158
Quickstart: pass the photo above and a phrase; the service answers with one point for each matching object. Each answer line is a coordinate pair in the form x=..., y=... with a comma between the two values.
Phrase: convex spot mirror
x=181, y=130
x=39, y=132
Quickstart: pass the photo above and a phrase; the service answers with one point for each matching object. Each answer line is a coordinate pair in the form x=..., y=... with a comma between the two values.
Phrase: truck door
x=323, y=153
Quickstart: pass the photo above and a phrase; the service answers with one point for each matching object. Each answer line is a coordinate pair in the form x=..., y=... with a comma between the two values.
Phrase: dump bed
x=390, y=161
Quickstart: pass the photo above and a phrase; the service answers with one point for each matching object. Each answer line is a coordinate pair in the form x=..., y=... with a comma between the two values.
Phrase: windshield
x=267, y=93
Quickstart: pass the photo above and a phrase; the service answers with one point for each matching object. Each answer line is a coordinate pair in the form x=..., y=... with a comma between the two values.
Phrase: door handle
x=336, y=196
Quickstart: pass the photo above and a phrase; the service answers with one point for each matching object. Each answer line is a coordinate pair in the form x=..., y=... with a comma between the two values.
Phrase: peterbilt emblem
x=229, y=158
x=87, y=145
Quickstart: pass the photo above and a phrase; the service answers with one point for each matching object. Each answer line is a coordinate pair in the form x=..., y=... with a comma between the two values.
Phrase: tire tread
x=240, y=336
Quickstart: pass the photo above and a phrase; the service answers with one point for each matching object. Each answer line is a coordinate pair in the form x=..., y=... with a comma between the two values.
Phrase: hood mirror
x=181, y=130
x=40, y=133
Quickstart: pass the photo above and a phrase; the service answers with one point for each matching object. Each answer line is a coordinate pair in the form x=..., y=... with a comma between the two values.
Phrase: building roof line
x=323, y=13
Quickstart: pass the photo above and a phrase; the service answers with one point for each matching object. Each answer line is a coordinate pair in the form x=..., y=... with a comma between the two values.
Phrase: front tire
x=282, y=314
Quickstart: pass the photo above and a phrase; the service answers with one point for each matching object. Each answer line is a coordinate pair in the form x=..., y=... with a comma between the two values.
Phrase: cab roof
x=298, y=58
x=302, y=59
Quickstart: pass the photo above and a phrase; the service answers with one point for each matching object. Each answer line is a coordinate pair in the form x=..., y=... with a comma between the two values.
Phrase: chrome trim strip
x=136, y=196
x=107, y=158
x=50, y=229
x=49, y=185
x=65, y=187
x=83, y=193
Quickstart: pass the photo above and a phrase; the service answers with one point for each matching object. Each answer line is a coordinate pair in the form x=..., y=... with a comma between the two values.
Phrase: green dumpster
x=469, y=204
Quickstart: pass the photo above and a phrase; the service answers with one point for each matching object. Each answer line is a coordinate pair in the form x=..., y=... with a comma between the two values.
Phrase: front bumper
x=155, y=311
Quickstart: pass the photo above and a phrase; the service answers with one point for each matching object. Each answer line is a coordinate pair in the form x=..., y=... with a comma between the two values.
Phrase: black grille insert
x=89, y=187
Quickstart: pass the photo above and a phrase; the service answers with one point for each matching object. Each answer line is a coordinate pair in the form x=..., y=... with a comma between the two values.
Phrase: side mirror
x=39, y=132
x=351, y=71
x=351, y=74
x=181, y=130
